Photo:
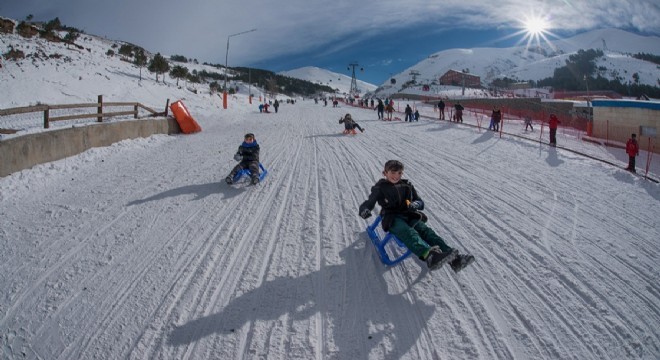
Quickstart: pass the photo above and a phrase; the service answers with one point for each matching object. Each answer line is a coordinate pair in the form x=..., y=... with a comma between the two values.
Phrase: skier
x=248, y=155
x=401, y=211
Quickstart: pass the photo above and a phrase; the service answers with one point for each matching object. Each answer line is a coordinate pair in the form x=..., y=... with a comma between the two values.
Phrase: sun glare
x=536, y=26
x=535, y=31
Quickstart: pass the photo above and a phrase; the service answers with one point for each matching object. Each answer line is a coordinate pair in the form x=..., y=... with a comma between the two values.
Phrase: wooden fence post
x=46, y=123
x=135, y=109
x=167, y=106
x=99, y=109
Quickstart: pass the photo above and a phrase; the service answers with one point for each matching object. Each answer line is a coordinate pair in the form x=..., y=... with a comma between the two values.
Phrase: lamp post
x=224, y=94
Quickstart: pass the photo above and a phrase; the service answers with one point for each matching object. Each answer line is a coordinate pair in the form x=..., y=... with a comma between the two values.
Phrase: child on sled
x=248, y=155
x=402, y=216
x=349, y=124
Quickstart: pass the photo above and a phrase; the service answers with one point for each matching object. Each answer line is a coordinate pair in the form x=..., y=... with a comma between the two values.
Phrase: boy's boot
x=461, y=262
x=229, y=180
x=437, y=258
x=255, y=180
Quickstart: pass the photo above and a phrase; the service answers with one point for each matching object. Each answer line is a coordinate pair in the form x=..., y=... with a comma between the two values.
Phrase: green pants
x=416, y=236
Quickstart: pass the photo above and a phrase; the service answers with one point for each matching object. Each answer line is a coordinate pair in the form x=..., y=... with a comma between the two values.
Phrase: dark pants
x=459, y=115
x=553, y=136
x=416, y=235
x=442, y=113
x=631, y=163
x=253, y=166
x=529, y=125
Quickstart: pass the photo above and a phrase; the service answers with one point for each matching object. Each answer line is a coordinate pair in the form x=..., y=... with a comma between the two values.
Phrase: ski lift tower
x=354, y=89
x=414, y=74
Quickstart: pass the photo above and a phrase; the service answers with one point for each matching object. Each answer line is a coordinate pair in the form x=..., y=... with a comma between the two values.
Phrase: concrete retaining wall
x=24, y=152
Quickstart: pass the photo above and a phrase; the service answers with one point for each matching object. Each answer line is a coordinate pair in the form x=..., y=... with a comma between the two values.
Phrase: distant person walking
x=632, y=149
x=276, y=105
x=553, y=124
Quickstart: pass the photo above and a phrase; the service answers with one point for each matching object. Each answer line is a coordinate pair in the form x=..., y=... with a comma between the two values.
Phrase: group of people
x=410, y=115
x=401, y=205
x=263, y=108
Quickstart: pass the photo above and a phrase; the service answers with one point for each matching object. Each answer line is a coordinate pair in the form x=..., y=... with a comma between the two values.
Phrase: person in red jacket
x=632, y=149
x=553, y=123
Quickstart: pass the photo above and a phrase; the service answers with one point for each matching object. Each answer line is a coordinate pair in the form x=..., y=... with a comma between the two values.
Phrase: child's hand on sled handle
x=366, y=213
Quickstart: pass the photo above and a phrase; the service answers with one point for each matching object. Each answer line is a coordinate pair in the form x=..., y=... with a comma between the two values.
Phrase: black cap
x=249, y=135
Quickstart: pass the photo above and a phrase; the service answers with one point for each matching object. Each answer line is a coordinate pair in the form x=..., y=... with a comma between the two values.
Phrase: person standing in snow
x=459, y=111
x=553, y=124
x=408, y=113
x=380, y=109
x=276, y=105
x=441, y=109
x=389, y=108
x=632, y=149
x=495, y=118
x=528, y=122
x=248, y=155
x=416, y=115
x=402, y=216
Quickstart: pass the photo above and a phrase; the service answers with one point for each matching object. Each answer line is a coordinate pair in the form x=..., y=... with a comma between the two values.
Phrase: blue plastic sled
x=399, y=252
x=262, y=173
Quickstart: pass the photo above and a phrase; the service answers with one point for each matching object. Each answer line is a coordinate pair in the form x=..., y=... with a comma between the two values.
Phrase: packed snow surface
x=140, y=250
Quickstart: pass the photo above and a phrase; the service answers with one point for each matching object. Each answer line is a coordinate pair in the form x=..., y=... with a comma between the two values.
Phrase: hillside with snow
x=339, y=82
x=536, y=63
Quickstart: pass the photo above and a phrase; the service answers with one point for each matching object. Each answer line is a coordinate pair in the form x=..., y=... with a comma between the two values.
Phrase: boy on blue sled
x=248, y=155
x=401, y=211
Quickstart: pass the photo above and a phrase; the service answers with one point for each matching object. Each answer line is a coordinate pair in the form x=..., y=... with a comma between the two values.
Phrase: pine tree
x=159, y=65
x=140, y=60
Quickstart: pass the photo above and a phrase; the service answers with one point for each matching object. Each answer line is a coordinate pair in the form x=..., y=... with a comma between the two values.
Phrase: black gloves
x=365, y=213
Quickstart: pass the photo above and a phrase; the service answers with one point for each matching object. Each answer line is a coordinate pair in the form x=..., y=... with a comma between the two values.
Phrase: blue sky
x=384, y=37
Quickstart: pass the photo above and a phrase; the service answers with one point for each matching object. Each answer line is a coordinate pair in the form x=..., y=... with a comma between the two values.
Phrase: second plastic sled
x=262, y=173
x=397, y=249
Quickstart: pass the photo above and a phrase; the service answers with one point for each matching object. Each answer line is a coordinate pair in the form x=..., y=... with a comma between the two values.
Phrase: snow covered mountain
x=535, y=63
x=340, y=82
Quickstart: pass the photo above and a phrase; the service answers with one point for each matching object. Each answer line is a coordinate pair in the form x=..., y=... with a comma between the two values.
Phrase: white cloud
x=199, y=28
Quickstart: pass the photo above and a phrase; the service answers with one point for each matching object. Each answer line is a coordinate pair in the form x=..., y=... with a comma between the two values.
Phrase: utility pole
x=224, y=94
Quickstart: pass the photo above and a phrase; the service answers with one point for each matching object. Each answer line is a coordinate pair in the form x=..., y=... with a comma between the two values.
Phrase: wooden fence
x=100, y=114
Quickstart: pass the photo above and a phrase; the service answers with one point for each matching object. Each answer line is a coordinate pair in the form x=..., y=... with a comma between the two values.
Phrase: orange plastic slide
x=186, y=122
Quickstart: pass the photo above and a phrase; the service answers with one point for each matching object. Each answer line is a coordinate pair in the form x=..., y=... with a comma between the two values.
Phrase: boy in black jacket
x=248, y=155
x=402, y=216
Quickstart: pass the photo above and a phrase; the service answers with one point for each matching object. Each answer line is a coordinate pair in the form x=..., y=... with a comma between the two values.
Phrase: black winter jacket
x=392, y=200
x=249, y=152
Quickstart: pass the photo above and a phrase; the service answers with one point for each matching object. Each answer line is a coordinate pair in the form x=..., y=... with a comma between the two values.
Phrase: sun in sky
x=535, y=30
